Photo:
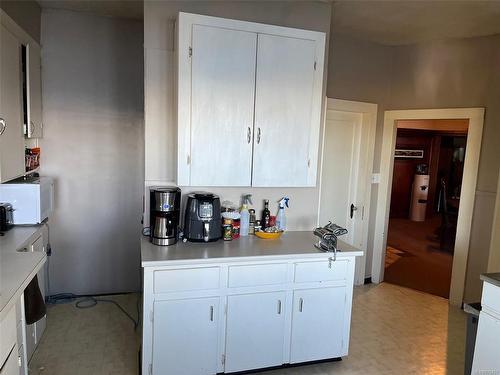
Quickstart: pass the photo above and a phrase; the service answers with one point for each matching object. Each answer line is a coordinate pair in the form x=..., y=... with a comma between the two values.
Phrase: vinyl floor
x=394, y=331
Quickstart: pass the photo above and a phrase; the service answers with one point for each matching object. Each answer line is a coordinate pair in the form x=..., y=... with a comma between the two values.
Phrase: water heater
x=419, y=193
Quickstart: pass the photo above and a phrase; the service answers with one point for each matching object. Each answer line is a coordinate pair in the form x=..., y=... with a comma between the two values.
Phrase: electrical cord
x=86, y=302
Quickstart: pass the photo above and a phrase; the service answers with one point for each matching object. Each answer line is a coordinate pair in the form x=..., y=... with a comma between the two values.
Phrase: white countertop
x=17, y=269
x=295, y=244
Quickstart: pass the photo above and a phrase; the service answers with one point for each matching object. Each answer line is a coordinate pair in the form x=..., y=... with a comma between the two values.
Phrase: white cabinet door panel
x=283, y=107
x=222, y=104
x=255, y=331
x=317, y=324
x=34, y=96
x=185, y=337
x=486, y=354
x=11, y=130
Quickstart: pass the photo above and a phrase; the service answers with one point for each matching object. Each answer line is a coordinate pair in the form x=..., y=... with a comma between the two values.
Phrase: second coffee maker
x=202, y=220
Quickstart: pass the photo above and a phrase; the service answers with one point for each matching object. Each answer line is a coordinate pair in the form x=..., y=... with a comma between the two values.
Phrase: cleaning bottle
x=281, y=218
x=245, y=214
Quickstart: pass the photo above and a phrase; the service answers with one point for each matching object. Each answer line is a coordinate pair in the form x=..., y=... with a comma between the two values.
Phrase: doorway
x=475, y=116
x=346, y=169
x=427, y=177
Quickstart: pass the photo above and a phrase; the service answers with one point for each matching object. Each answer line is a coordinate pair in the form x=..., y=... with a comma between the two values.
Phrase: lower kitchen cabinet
x=318, y=324
x=255, y=329
x=234, y=316
x=185, y=336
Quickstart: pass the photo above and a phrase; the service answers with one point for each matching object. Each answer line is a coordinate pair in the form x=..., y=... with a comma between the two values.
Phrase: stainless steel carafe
x=165, y=205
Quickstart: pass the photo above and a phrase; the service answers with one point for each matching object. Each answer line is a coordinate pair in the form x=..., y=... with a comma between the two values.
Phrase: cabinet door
x=486, y=358
x=317, y=324
x=222, y=103
x=11, y=365
x=185, y=336
x=255, y=331
x=283, y=111
x=34, y=92
x=11, y=130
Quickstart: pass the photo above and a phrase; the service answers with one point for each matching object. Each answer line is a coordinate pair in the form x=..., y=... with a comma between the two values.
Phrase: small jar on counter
x=236, y=229
x=227, y=230
x=258, y=226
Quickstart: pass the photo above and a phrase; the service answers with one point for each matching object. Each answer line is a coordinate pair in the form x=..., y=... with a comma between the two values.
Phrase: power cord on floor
x=86, y=302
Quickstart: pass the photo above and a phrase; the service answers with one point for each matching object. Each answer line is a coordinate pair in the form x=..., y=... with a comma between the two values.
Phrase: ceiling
x=392, y=22
x=408, y=22
x=132, y=9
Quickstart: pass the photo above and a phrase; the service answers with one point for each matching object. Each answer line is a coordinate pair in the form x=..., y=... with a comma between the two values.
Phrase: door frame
x=467, y=195
x=369, y=120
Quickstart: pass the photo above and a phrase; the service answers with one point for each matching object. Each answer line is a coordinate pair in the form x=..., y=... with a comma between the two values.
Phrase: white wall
x=93, y=147
x=160, y=126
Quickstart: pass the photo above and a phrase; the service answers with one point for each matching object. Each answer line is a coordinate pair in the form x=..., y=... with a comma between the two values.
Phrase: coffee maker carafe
x=164, y=210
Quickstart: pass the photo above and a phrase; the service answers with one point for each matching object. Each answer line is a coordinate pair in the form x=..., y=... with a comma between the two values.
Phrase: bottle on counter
x=281, y=218
x=251, y=226
x=245, y=215
x=258, y=226
x=266, y=215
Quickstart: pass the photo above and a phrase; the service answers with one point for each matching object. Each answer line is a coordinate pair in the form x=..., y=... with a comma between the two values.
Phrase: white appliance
x=419, y=197
x=32, y=199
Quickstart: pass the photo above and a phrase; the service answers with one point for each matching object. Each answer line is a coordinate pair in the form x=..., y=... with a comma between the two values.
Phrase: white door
x=255, y=330
x=283, y=107
x=34, y=92
x=486, y=354
x=185, y=336
x=318, y=324
x=346, y=176
x=222, y=105
x=11, y=118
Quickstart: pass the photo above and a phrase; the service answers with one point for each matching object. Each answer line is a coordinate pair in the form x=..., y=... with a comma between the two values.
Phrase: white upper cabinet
x=11, y=129
x=223, y=84
x=249, y=103
x=283, y=108
x=34, y=92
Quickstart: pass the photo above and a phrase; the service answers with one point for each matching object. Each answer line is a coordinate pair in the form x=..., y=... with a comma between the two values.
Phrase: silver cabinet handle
x=211, y=313
x=301, y=304
x=3, y=125
x=258, y=135
x=249, y=135
x=279, y=307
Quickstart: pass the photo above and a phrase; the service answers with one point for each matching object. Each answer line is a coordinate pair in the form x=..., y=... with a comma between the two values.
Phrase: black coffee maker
x=202, y=220
x=164, y=209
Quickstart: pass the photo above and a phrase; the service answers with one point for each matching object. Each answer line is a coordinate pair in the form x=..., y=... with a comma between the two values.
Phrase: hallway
x=414, y=259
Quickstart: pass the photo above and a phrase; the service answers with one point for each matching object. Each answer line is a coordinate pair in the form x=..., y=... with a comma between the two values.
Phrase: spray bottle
x=281, y=218
x=245, y=215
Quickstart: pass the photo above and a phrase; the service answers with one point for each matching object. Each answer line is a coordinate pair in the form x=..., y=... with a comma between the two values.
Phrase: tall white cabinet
x=249, y=103
x=11, y=113
x=13, y=99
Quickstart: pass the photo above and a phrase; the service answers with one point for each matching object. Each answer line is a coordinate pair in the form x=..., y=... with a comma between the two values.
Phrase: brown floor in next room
x=414, y=259
x=394, y=331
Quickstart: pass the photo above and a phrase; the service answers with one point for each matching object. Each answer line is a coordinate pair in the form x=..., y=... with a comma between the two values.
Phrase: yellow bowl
x=268, y=236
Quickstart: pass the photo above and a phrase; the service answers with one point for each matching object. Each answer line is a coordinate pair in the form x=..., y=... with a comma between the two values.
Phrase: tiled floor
x=394, y=331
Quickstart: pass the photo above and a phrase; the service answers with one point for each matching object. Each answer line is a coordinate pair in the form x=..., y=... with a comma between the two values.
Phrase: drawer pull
x=279, y=307
x=301, y=304
x=211, y=313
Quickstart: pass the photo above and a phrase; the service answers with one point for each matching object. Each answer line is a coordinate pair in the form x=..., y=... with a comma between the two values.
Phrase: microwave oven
x=32, y=199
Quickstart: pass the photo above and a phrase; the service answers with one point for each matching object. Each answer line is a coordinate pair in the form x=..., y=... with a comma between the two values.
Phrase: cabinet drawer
x=186, y=279
x=255, y=275
x=491, y=297
x=8, y=339
x=324, y=270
